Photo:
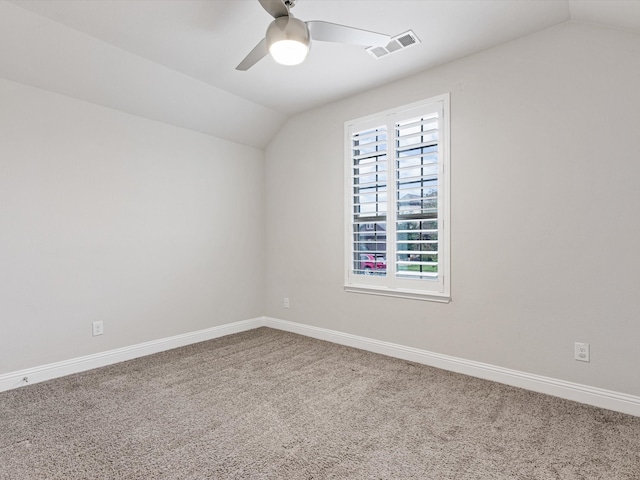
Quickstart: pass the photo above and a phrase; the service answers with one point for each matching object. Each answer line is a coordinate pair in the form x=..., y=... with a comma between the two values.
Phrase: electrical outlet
x=286, y=302
x=581, y=352
x=98, y=328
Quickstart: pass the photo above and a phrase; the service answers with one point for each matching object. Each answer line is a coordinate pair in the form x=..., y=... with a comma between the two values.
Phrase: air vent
x=397, y=43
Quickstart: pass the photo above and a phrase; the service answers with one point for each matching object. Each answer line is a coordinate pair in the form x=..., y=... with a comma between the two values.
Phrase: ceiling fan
x=288, y=39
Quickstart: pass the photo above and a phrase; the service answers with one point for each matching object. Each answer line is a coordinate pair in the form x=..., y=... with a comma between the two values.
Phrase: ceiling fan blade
x=275, y=8
x=332, y=32
x=254, y=56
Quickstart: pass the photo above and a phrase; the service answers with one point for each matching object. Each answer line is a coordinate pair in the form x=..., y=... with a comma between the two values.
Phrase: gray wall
x=153, y=229
x=545, y=211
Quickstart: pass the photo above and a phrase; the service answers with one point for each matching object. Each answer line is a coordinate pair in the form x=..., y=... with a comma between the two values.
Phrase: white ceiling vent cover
x=397, y=43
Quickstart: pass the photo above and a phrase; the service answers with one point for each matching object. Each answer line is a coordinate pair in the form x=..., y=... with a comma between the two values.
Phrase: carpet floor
x=266, y=404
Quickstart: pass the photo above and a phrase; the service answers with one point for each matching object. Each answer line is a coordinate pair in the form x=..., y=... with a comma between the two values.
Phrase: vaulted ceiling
x=174, y=60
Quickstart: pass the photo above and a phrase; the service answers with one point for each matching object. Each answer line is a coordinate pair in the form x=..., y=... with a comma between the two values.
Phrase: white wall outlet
x=286, y=302
x=581, y=352
x=98, y=328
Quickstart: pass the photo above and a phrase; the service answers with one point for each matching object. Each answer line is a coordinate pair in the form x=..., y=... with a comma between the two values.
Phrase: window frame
x=389, y=285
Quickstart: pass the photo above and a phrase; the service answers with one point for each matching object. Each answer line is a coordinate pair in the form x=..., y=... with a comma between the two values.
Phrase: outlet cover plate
x=582, y=352
x=98, y=328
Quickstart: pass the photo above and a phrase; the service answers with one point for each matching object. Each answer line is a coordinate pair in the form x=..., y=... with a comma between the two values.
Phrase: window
x=397, y=165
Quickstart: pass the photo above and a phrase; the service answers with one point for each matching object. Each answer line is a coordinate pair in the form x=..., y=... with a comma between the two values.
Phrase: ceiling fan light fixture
x=289, y=52
x=288, y=40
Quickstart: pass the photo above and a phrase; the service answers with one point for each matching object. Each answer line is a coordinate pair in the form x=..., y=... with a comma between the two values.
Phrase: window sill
x=400, y=293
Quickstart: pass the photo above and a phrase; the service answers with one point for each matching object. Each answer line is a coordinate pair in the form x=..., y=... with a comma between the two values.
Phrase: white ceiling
x=174, y=60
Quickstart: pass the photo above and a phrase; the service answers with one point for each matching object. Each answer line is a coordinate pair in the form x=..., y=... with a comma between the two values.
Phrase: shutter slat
x=416, y=146
x=364, y=156
x=361, y=146
x=367, y=134
x=420, y=156
x=372, y=164
x=421, y=142
x=408, y=273
x=417, y=123
x=364, y=186
x=423, y=178
x=416, y=242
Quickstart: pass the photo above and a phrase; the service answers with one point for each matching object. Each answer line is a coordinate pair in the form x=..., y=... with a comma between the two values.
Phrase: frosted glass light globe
x=289, y=52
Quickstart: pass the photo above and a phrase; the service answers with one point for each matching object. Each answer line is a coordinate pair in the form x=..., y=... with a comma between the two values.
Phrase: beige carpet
x=265, y=404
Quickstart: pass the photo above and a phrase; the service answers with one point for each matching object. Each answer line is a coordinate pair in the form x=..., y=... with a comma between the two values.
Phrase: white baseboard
x=16, y=379
x=598, y=397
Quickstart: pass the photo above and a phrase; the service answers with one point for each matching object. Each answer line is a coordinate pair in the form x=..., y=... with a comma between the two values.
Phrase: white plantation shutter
x=369, y=187
x=397, y=200
x=417, y=172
